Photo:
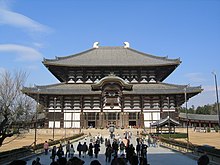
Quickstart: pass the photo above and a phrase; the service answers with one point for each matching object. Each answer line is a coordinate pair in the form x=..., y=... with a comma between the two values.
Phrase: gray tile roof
x=199, y=117
x=165, y=121
x=161, y=88
x=79, y=89
x=111, y=56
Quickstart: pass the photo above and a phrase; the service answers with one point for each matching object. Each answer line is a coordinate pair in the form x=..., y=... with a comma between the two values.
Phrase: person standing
x=122, y=147
x=90, y=152
x=68, y=149
x=96, y=149
x=138, y=149
x=46, y=147
x=144, y=152
x=108, y=153
x=115, y=147
x=72, y=151
x=60, y=152
x=54, y=153
x=79, y=149
x=84, y=149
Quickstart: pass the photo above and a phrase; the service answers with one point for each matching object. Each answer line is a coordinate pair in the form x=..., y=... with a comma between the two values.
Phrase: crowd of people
x=118, y=151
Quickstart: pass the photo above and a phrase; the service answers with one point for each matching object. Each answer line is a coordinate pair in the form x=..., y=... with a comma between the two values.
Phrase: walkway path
x=156, y=156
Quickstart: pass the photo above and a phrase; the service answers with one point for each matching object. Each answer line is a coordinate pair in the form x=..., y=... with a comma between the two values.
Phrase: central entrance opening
x=91, y=124
x=132, y=123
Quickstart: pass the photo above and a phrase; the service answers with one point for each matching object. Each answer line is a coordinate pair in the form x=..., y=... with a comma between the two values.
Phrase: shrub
x=208, y=129
x=216, y=128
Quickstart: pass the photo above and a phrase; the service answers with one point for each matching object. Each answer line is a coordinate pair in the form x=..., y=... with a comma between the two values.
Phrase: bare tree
x=14, y=106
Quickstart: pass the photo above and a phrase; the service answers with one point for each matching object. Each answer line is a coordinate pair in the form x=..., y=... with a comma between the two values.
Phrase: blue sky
x=185, y=29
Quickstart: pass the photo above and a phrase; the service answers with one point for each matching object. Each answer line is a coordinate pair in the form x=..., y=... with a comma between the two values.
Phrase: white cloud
x=195, y=77
x=23, y=53
x=9, y=17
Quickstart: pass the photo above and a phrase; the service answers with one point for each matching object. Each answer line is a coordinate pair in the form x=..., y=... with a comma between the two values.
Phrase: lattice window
x=132, y=116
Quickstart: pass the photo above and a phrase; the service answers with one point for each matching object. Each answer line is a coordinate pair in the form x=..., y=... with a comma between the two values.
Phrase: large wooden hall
x=104, y=85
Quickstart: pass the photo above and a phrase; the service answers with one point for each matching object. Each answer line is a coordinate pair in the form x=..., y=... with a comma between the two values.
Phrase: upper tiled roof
x=111, y=56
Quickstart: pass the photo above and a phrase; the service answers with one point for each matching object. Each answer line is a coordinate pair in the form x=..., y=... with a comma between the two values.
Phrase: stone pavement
x=156, y=155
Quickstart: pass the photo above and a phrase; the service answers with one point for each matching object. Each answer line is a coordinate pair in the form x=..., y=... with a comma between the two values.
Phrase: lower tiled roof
x=83, y=89
x=199, y=117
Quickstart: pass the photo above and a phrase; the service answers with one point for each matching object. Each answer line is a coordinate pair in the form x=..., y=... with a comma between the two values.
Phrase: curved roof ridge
x=111, y=56
x=50, y=85
x=69, y=56
x=176, y=85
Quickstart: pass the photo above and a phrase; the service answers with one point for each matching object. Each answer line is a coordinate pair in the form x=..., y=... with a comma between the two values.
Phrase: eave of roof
x=165, y=121
x=111, y=56
x=77, y=89
x=199, y=117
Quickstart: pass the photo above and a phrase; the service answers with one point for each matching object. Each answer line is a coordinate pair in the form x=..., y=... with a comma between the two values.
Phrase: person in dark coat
x=79, y=149
x=108, y=153
x=130, y=152
x=144, y=151
x=54, y=153
x=96, y=149
x=90, y=152
x=68, y=149
x=60, y=152
x=115, y=147
x=84, y=149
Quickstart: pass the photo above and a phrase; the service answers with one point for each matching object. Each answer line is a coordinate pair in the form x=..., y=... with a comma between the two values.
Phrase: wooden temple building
x=106, y=85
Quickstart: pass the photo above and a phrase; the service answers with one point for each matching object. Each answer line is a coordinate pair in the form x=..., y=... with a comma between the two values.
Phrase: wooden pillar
x=96, y=122
x=142, y=120
x=121, y=119
x=86, y=121
x=82, y=119
x=117, y=121
x=101, y=120
x=126, y=119
x=137, y=120
x=106, y=118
